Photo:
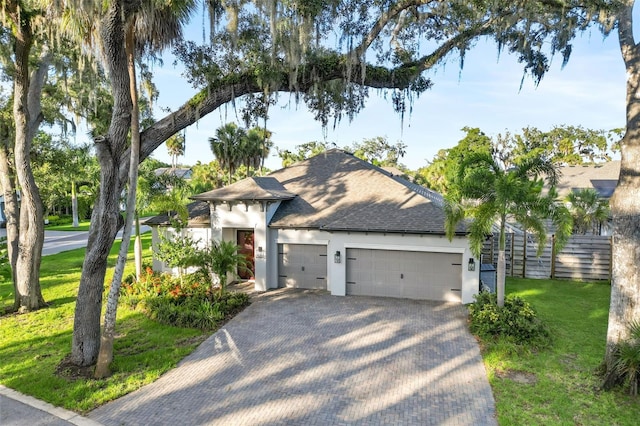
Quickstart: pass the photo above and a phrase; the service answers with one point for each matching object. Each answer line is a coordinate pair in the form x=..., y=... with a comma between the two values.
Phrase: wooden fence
x=584, y=257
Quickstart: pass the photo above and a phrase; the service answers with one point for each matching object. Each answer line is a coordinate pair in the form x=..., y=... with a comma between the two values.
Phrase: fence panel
x=584, y=257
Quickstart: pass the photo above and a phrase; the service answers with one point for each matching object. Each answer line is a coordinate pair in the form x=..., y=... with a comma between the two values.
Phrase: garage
x=404, y=274
x=302, y=266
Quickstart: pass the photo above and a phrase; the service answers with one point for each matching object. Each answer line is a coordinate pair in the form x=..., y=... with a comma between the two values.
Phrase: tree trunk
x=31, y=237
x=74, y=204
x=106, y=346
x=7, y=181
x=625, y=207
x=501, y=272
x=106, y=218
x=137, y=248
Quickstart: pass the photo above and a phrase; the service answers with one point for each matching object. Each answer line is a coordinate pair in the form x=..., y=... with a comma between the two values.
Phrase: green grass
x=82, y=226
x=32, y=345
x=566, y=389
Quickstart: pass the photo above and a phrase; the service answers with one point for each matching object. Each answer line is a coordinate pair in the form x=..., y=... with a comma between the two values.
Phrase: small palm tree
x=222, y=258
x=488, y=194
x=227, y=147
x=588, y=210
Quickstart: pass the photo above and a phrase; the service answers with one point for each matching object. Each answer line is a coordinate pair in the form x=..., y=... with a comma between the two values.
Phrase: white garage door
x=405, y=274
x=302, y=266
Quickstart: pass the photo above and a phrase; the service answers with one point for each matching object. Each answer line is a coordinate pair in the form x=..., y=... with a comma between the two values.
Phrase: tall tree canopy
x=259, y=49
x=562, y=145
x=379, y=151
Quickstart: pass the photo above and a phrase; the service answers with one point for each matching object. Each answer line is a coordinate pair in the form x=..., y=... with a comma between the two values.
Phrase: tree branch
x=383, y=20
x=625, y=33
x=329, y=68
x=428, y=61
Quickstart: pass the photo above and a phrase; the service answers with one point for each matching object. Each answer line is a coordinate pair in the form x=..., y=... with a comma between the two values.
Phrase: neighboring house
x=178, y=172
x=338, y=223
x=601, y=177
x=3, y=216
x=3, y=219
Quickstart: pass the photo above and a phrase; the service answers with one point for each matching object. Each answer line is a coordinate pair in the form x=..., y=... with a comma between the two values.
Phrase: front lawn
x=559, y=385
x=32, y=345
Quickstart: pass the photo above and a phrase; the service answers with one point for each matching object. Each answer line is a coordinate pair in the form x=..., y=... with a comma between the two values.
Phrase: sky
x=486, y=93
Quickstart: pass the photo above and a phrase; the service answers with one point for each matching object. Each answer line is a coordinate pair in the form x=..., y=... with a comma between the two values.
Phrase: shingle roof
x=198, y=216
x=179, y=172
x=339, y=192
x=249, y=189
x=601, y=177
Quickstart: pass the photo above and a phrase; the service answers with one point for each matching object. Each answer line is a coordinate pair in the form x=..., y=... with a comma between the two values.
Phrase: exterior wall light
x=472, y=264
x=260, y=254
x=337, y=258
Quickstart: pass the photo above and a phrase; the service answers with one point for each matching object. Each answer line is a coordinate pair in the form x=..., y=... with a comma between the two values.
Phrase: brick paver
x=301, y=357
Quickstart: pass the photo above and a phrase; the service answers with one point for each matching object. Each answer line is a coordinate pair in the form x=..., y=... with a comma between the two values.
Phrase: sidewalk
x=17, y=409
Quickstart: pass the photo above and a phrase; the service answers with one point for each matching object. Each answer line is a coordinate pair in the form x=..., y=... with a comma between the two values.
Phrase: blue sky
x=589, y=91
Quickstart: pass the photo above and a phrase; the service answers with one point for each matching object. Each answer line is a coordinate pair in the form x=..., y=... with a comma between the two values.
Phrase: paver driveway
x=299, y=357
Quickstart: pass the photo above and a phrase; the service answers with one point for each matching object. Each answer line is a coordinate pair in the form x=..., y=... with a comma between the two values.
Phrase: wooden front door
x=245, y=241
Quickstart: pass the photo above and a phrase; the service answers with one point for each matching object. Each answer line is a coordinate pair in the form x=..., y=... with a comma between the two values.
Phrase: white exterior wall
x=340, y=241
x=247, y=217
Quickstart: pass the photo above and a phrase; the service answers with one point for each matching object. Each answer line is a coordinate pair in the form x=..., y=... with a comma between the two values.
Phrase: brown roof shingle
x=249, y=189
x=199, y=216
x=602, y=177
x=339, y=192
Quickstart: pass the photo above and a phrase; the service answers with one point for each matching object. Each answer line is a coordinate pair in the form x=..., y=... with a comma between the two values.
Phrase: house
x=338, y=223
x=601, y=177
x=174, y=172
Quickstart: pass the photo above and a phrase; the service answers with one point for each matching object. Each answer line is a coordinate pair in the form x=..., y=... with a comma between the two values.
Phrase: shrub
x=182, y=302
x=192, y=312
x=516, y=321
x=626, y=364
x=55, y=220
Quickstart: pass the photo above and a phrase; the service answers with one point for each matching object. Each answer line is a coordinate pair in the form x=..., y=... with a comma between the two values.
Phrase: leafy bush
x=187, y=302
x=151, y=284
x=516, y=321
x=55, y=220
x=179, y=251
x=192, y=312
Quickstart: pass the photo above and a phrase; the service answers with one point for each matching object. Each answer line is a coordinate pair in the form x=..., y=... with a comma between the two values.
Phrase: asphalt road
x=59, y=241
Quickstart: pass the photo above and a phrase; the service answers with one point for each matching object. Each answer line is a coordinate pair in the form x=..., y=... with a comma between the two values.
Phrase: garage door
x=302, y=266
x=405, y=274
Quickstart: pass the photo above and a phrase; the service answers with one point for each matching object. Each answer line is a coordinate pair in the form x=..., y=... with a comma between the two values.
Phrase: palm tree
x=222, y=258
x=588, y=210
x=153, y=27
x=175, y=146
x=265, y=144
x=227, y=147
x=487, y=193
x=252, y=149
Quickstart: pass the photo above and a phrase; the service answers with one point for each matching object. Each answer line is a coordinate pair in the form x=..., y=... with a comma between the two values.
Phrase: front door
x=245, y=241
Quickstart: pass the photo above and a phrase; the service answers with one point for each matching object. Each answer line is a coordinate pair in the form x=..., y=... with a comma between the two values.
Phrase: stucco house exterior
x=338, y=223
